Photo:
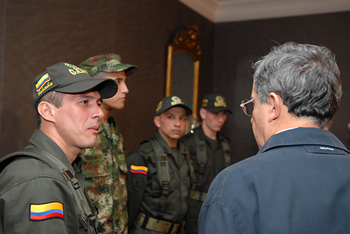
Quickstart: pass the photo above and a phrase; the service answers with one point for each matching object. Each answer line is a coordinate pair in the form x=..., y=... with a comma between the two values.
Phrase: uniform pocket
x=94, y=165
x=122, y=165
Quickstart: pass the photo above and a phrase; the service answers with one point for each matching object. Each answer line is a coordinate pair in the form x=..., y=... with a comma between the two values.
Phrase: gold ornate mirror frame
x=187, y=41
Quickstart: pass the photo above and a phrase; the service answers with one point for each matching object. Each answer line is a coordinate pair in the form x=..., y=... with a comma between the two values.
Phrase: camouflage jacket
x=105, y=170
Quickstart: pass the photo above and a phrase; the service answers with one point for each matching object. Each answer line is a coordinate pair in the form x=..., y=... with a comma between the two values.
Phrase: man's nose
x=98, y=113
x=124, y=88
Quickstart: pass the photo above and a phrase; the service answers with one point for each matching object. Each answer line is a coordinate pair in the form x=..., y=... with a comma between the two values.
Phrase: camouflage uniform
x=105, y=170
x=104, y=166
x=107, y=63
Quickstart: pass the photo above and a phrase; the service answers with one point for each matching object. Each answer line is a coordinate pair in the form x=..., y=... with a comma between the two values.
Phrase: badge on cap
x=39, y=212
x=138, y=169
x=159, y=106
x=71, y=66
x=44, y=83
x=205, y=102
x=219, y=102
x=75, y=70
x=176, y=101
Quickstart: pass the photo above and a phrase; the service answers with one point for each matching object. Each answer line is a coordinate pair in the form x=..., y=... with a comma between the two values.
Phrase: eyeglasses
x=248, y=106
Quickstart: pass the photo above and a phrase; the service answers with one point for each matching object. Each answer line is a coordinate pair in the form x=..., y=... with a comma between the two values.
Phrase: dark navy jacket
x=299, y=182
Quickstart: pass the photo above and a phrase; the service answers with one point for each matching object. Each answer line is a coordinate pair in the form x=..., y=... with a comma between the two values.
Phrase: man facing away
x=41, y=189
x=210, y=152
x=160, y=173
x=104, y=165
x=299, y=180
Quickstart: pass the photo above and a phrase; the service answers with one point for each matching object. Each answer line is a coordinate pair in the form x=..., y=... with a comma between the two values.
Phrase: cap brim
x=129, y=69
x=106, y=87
x=187, y=109
x=218, y=109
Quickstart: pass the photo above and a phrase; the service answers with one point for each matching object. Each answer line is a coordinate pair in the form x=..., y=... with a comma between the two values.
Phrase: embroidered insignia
x=159, y=106
x=45, y=78
x=176, y=100
x=46, y=211
x=43, y=84
x=76, y=70
x=138, y=169
x=138, y=183
x=71, y=66
x=219, y=101
x=205, y=102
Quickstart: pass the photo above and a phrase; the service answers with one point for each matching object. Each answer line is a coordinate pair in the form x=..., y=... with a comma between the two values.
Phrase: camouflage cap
x=170, y=102
x=107, y=63
x=67, y=78
x=215, y=103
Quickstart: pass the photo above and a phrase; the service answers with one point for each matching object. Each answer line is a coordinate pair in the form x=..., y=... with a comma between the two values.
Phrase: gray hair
x=52, y=97
x=306, y=77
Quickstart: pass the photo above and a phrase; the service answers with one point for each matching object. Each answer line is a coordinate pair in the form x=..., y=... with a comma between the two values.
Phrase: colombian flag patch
x=46, y=211
x=138, y=169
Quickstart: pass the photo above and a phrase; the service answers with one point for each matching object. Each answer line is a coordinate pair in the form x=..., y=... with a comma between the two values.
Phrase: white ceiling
x=219, y=11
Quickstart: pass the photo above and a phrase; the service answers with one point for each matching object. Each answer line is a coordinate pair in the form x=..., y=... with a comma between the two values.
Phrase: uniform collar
x=110, y=122
x=41, y=141
x=303, y=136
x=166, y=147
x=202, y=136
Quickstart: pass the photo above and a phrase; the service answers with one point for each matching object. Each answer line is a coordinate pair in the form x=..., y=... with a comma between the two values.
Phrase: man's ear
x=275, y=104
x=157, y=121
x=47, y=111
x=202, y=113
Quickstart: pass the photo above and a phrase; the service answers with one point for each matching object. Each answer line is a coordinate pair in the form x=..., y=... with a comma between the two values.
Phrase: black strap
x=86, y=216
x=201, y=157
x=227, y=151
x=163, y=174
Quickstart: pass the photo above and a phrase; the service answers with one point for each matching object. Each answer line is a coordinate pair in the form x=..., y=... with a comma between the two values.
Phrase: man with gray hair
x=299, y=180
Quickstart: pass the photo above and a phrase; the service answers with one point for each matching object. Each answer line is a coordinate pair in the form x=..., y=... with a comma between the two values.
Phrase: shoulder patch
x=44, y=211
x=138, y=169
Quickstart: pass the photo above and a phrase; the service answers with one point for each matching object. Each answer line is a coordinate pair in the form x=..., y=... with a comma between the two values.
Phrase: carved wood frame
x=187, y=41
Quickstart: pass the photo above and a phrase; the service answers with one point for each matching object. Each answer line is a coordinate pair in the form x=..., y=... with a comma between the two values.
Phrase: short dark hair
x=306, y=77
x=52, y=97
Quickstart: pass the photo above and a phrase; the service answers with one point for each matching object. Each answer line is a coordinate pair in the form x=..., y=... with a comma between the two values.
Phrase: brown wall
x=35, y=34
x=239, y=44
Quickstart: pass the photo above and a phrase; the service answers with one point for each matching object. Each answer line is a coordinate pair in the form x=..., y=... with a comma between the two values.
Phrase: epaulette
x=146, y=147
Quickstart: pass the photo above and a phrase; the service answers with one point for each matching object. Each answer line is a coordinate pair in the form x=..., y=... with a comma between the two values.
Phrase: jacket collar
x=111, y=122
x=303, y=136
x=202, y=136
x=40, y=140
x=166, y=147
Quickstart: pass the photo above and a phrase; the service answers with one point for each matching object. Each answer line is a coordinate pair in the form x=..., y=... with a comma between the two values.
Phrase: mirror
x=183, y=69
